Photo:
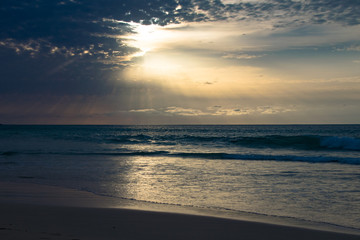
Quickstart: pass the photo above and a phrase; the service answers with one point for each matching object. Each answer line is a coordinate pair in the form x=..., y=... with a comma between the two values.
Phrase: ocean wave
x=345, y=143
x=128, y=139
x=8, y=153
x=302, y=142
x=260, y=157
x=7, y=163
x=212, y=155
x=245, y=157
x=292, y=138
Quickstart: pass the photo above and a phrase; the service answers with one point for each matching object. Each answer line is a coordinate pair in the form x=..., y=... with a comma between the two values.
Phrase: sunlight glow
x=174, y=57
x=161, y=65
x=147, y=38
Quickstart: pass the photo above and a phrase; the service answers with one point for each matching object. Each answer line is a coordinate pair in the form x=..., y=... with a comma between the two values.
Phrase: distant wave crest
x=260, y=157
x=214, y=155
x=345, y=143
x=303, y=142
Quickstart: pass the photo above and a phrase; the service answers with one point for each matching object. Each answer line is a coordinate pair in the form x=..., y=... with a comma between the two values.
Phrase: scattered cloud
x=146, y=110
x=71, y=27
x=249, y=111
x=183, y=111
x=355, y=48
x=241, y=56
x=215, y=111
x=30, y=46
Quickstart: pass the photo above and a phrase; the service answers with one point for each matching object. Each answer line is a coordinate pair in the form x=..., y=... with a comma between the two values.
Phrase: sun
x=147, y=38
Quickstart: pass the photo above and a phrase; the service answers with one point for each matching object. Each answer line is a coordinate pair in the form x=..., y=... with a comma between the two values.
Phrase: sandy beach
x=30, y=211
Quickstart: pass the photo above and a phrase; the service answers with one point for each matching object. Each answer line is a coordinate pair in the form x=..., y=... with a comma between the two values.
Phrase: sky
x=180, y=61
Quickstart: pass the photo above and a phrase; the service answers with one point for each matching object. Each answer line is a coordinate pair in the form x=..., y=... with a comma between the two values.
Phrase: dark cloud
x=298, y=12
x=74, y=47
x=74, y=26
x=78, y=28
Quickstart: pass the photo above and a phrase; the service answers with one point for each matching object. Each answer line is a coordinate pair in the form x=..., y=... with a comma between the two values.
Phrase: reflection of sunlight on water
x=178, y=181
x=264, y=187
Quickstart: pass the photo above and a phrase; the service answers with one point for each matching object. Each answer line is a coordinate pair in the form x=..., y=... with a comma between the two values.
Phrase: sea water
x=305, y=172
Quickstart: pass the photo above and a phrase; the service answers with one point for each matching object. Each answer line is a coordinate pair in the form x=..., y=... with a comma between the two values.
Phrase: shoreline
x=32, y=211
x=62, y=222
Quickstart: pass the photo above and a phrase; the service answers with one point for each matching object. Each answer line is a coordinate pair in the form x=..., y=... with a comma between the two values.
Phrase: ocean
x=309, y=173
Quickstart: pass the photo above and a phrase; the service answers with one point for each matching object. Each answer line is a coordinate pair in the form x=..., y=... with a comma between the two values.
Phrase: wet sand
x=40, y=212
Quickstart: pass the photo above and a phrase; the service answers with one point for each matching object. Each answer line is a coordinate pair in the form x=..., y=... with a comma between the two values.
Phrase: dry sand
x=39, y=212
